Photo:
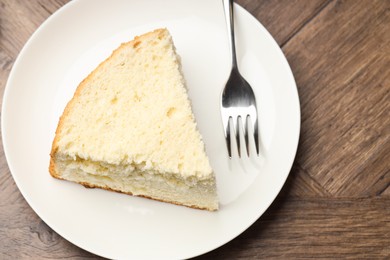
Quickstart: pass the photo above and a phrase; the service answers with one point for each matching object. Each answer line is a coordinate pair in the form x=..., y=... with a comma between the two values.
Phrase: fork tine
x=238, y=127
x=256, y=136
x=247, y=134
x=227, y=137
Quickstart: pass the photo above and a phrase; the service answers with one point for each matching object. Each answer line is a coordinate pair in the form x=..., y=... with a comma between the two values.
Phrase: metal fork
x=238, y=99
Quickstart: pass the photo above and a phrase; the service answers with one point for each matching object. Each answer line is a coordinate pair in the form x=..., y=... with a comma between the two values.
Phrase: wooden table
x=336, y=203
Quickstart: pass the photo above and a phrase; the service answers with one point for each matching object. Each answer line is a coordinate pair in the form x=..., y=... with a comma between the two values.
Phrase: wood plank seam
x=380, y=192
x=323, y=189
x=299, y=28
x=46, y=9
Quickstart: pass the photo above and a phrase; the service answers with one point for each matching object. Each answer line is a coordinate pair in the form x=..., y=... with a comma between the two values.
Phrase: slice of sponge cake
x=129, y=128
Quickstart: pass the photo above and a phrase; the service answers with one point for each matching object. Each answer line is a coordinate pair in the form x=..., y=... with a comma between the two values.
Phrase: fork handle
x=228, y=7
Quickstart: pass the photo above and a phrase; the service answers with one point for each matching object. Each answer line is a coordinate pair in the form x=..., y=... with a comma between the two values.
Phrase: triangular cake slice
x=129, y=128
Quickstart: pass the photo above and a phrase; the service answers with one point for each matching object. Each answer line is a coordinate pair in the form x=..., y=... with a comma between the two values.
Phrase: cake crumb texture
x=132, y=117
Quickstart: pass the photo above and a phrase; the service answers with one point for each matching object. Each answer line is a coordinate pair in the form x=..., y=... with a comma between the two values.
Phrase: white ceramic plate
x=69, y=45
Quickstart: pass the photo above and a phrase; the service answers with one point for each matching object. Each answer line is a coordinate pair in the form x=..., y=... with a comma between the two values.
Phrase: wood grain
x=343, y=78
x=315, y=229
x=274, y=15
x=5, y=67
x=336, y=202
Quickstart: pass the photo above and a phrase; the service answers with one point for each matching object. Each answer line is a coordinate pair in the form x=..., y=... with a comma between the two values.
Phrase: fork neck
x=229, y=18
